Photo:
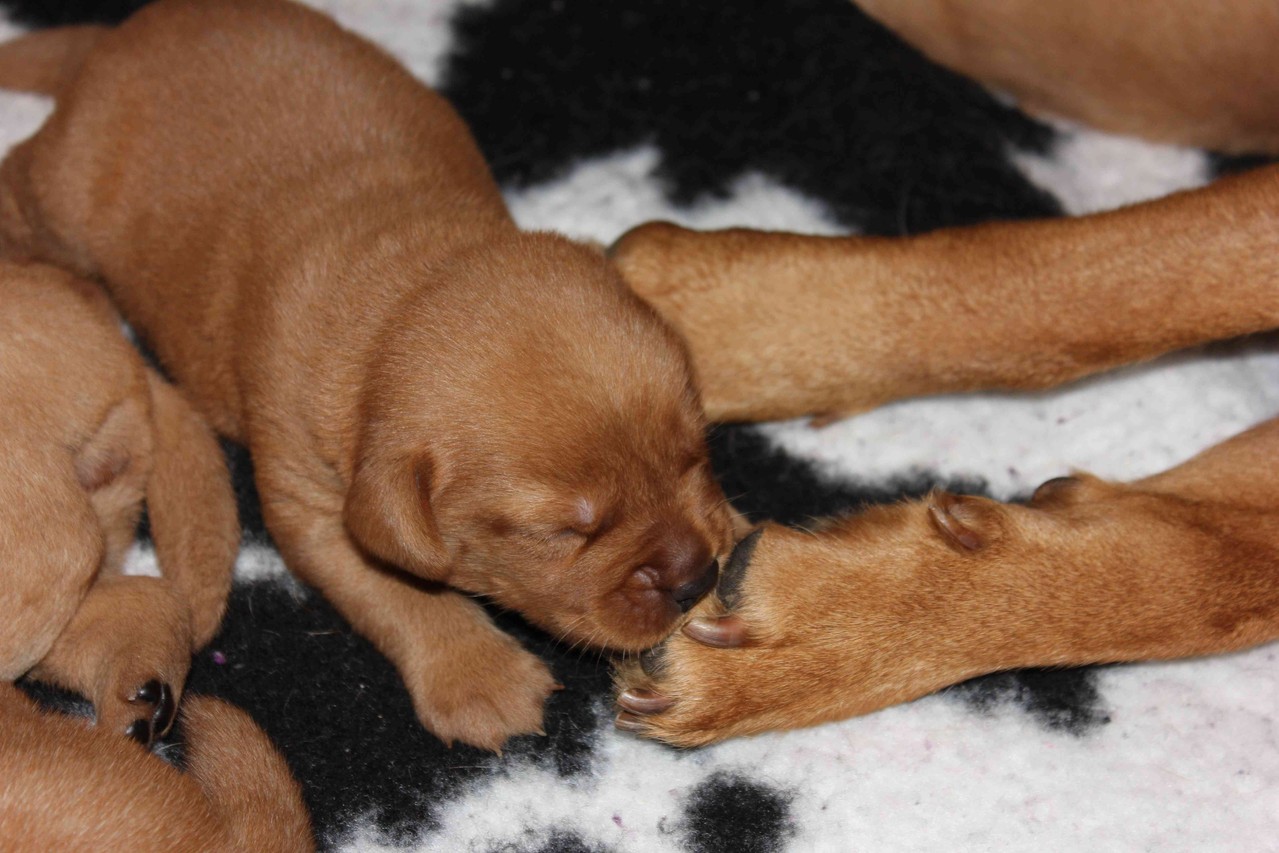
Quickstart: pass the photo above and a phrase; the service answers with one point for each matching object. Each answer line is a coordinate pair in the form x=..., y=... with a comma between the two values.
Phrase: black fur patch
x=48, y=13
x=730, y=581
x=560, y=841
x=1065, y=700
x=728, y=813
x=765, y=482
x=809, y=92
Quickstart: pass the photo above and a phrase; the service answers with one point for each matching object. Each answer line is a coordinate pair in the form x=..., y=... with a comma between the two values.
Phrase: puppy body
x=88, y=432
x=315, y=249
x=65, y=786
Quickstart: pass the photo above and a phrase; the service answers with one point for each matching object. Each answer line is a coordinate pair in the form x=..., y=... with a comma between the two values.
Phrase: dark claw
x=165, y=711
x=139, y=730
x=640, y=701
x=730, y=580
x=150, y=693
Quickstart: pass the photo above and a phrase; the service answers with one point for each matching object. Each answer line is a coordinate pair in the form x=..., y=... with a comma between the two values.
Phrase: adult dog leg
x=782, y=325
x=900, y=601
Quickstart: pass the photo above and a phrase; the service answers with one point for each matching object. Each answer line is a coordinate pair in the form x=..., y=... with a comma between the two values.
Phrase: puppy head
x=532, y=434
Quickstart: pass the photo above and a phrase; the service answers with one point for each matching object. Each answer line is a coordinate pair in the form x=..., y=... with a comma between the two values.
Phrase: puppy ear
x=388, y=512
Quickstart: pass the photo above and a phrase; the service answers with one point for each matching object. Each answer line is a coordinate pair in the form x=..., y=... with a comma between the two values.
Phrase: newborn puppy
x=87, y=432
x=64, y=786
x=436, y=403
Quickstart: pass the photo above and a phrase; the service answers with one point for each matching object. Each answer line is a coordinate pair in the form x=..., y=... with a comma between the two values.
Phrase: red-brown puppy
x=88, y=432
x=66, y=786
x=900, y=601
x=435, y=402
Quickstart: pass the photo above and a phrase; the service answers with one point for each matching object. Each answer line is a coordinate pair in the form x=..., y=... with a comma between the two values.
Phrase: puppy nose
x=692, y=592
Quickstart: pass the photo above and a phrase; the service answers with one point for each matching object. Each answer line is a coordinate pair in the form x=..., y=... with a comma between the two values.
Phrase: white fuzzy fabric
x=1190, y=760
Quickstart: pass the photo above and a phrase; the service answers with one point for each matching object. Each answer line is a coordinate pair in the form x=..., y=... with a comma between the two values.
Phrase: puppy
x=900, y=601
x=436, y=403
x=89, y=432
x=65, y=786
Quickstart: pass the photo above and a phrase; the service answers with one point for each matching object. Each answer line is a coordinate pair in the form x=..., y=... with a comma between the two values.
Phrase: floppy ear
x=388, y=512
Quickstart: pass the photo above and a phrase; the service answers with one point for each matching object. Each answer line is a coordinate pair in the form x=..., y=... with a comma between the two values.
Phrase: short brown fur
x=89, y=432
x=67, y=786
x=435, y=401
x=900, y=601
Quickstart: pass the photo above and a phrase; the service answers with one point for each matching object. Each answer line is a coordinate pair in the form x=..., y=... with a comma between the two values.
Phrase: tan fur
x=88, y=433
x=69, y=787
x=1173, y=71
x=901, y=601
x=434, y=401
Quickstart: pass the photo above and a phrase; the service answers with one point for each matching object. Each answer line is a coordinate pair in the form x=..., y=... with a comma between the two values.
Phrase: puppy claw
x=722, y=632
x=165, y=711
x=640, y=701
x=139, y=730
x=159, y=695
x=149, y=693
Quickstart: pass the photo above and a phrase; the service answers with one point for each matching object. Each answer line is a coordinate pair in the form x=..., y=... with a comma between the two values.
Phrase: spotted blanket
x=799, y=115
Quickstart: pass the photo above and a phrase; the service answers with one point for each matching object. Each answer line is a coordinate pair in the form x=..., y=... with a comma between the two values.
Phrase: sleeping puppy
x=65, y=786
x=88, y=432
x=436, y=403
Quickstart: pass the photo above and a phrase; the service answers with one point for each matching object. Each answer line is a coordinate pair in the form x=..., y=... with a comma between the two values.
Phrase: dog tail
x=45, y=61
x=246, y=781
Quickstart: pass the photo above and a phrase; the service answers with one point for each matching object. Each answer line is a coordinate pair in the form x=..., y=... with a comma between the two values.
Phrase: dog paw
x=712, y=679
x=128, y=649
x=806, y=628
x=481, y=692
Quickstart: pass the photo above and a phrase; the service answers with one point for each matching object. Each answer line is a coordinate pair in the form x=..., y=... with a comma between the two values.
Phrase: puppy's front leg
x=469, y=680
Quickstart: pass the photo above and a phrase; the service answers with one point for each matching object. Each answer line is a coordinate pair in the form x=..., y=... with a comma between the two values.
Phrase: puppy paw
x=482, y=691
x=159, y=698
x=128, y=649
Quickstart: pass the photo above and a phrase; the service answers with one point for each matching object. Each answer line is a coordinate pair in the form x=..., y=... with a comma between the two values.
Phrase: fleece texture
x=800, y=115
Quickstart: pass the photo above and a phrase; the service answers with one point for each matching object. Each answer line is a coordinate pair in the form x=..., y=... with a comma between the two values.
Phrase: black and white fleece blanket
x=798, y=115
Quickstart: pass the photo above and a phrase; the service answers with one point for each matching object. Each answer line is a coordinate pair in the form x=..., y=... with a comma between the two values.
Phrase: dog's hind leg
x=52, y=548
x=129, y=645
x=900, y=601
x=783, y=325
